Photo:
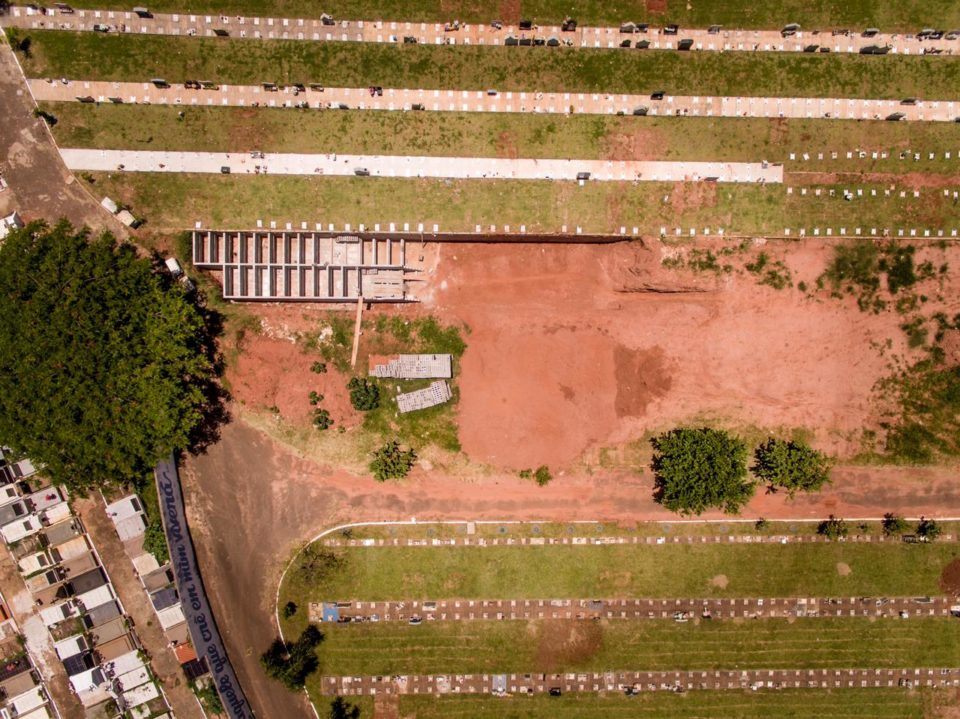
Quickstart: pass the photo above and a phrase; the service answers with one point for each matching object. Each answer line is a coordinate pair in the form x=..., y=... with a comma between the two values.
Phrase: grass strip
x=220, y=129
x=173, y=201
x=544, y=572
x=562, y=646
x=92, y=56
x=908, y=15
x=787, y=704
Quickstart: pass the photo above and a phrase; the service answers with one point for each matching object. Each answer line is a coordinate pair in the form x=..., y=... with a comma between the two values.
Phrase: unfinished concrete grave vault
x=288, y=266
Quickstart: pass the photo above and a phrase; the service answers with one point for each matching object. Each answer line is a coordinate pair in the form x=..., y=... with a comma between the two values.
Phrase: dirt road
x=42, y=186
x=251, y=503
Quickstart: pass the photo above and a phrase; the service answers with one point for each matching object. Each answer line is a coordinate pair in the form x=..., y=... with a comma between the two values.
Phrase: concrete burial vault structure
x=278, y=266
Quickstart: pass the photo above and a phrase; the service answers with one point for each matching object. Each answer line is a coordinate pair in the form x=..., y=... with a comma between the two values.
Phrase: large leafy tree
x=789, y=465
x=700, y=469
x=105, y=364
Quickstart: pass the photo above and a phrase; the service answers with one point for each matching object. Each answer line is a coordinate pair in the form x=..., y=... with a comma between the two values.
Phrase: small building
x=127, y=218
x=413, y=367
x=9, y=223
x=109, y=205
x=437, y=393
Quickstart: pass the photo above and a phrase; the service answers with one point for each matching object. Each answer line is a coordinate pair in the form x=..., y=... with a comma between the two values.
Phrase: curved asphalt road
x=203, y=628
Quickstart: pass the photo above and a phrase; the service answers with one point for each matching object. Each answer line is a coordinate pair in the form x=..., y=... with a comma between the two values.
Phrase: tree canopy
x=790, y=465
x=700, y=469
x=292, y=662
x=105, y=364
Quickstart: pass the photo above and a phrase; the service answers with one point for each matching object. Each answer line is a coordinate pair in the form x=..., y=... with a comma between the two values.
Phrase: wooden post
x=356, y=332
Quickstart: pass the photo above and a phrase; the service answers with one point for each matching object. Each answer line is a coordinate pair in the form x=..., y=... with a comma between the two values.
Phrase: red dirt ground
x=272, y=372
x=565, y=356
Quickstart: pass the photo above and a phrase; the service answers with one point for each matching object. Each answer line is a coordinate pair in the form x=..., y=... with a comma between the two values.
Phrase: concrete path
x=380, y=31
x=413, y=166
x=137, y=605
x=456, y=610
x=640, y=681
x=38, y=641
x=342, y=98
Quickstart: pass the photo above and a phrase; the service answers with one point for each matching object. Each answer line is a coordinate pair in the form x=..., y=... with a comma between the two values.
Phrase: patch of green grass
x=654, y=645
x=905, y=15
x=222, y=129
x=93, y=56
x=392, y=335
x=170, y=201
x=670, y=570
x=786, y=704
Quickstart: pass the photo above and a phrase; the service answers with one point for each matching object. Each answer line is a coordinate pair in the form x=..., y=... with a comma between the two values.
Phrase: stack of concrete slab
x=414, y=367
x=437, y=393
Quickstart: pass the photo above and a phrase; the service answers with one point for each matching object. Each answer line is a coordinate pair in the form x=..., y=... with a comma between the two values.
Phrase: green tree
x=833, y=528
x=928, y=529
x=155, y=541
x=699, y=469
x=289, y=609
x=105, y=365
x=893, y=524
x=341, y=709
x=392, y=462
x=790, y=465
x=322, y=419
x=292, y=662
x=364, y=393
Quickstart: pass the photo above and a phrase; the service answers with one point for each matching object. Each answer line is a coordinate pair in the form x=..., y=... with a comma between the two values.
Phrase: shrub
x=542, y=476
x=893, y=524
x=833, y=528
x=155, y=541
x=319, y=367
x=928, y=529
x=392, y=462
x=698, y=469
x=289, y=609
x=315, y=398
x=761, y=524
x=321, y=419
x=364, y=394
x=791, y=465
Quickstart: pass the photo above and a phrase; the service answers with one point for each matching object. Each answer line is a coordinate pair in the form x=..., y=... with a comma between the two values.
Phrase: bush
x=289, y=609
x=391, y=462
x=700, y=469
x=542, y=476
x=364, y=393
x=209, y=699
x=155, y=541
x=928, y=529
x=894, y=524
x=315, y=398
x=321, y=419
x=761, y=524
x=319, y=367
x=793, y=466
x=833, y=528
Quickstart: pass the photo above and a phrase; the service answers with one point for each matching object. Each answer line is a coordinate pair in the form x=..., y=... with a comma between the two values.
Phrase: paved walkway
x=38, y=640
x=314, y=29
x=640, y=681
x=342, y=98
x=685, y=609
x=413, y=166
x=137, y=604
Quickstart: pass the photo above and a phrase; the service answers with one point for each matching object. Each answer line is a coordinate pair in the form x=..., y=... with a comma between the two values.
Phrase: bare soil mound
x=950, y=578
x=567, y=642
